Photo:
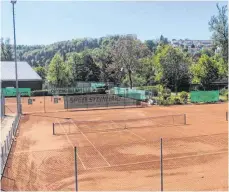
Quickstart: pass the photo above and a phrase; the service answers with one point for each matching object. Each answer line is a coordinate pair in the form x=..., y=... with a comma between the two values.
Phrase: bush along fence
x=7, y=143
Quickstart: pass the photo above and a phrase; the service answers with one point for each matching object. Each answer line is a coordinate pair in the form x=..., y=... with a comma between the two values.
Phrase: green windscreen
x=204, y=96
x=10, y=92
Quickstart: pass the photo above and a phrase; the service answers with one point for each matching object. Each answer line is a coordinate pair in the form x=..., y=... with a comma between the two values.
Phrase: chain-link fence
x=82, y=84
x=6, y=143
x=67, y=99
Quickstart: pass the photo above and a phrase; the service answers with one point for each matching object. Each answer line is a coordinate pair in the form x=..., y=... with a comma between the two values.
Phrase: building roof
x=25, y=72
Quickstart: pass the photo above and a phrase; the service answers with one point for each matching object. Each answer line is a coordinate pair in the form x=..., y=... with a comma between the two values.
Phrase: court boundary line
x=125, y=128
x=73, y=146
x=131, y=132
x=91, y=143
x=165, y=159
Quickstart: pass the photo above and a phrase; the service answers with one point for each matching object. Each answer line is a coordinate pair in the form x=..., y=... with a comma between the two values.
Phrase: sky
x=46, y=22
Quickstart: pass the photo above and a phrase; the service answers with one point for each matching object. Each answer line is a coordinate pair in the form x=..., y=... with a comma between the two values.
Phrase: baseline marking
x=91, y=143
x=169, y=158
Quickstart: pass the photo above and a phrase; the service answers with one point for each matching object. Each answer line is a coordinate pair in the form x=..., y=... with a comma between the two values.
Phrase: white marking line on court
x=169, y=158
x=136, y=135
x=71, y=144
x=91, y=143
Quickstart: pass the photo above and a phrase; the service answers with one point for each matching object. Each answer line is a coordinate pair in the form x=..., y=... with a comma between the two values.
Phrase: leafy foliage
x=58, y=72
x=172, y=67
x=219, y=26
x=6, y=50
x=205, y=71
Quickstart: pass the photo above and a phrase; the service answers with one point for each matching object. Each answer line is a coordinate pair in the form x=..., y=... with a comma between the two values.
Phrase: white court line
x=91, y=143
x=72, y=145
x=131, y=132
x=136, y=135
x=169, y=158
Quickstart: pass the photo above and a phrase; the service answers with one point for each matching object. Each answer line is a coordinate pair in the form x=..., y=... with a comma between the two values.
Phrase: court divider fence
x=45, y=101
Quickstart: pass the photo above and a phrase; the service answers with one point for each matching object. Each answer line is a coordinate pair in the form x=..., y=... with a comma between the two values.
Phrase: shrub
x=223, y=92
x=184, y=97
x=177, y=100
x=152, y=89
x=174, y=100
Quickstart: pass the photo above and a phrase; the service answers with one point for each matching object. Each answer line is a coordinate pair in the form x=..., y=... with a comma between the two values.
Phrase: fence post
x=124, y=98
x=67, y=101
x=67, y=98
x=5, y=149
x=2, y=159
x=107, y=101
x=161, y=166
x=44, y=101
x=53, y=128
x=76, y=179
x=185, y=119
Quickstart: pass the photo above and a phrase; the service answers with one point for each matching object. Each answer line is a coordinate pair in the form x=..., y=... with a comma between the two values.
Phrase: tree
x=83, y=67
x=41, y=71
x=171, y=67
x=58, y=72
x=205, y=71
x=6, y=50
x=147, y=70
x=219, y=26
x=151, y=44
x=104, y=60
x=75, y=61
x=163, y=40
x=126, y=52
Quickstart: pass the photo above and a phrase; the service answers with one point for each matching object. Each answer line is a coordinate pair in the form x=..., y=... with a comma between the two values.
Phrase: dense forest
x=124, y=59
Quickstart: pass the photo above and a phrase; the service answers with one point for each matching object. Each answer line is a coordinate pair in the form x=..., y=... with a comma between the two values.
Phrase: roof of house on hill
x=25, y=71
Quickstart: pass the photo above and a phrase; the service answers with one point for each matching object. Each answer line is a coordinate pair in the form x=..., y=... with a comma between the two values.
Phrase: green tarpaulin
x=204, y=96
x=130, y=93
x=10, y=92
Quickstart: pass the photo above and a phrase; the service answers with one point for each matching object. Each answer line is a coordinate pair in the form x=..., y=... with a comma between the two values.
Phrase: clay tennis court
x=195, y=154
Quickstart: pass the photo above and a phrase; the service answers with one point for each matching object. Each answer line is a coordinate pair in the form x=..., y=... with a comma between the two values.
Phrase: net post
x=53, y=128
x=185, y=119
x=76, y=179
x=161, y=164
x=226, y=115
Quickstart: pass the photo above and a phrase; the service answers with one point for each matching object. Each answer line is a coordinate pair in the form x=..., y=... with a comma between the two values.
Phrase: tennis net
x=73, y=127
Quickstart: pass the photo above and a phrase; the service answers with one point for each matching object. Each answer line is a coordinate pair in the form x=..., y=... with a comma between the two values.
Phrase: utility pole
x=15, y=59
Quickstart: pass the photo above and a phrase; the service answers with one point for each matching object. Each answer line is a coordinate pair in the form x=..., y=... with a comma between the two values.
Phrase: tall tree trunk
x=176, y=88
x=130, y=78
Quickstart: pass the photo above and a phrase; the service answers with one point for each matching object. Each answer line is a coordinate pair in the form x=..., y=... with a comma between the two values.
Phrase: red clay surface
x=195, y=155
